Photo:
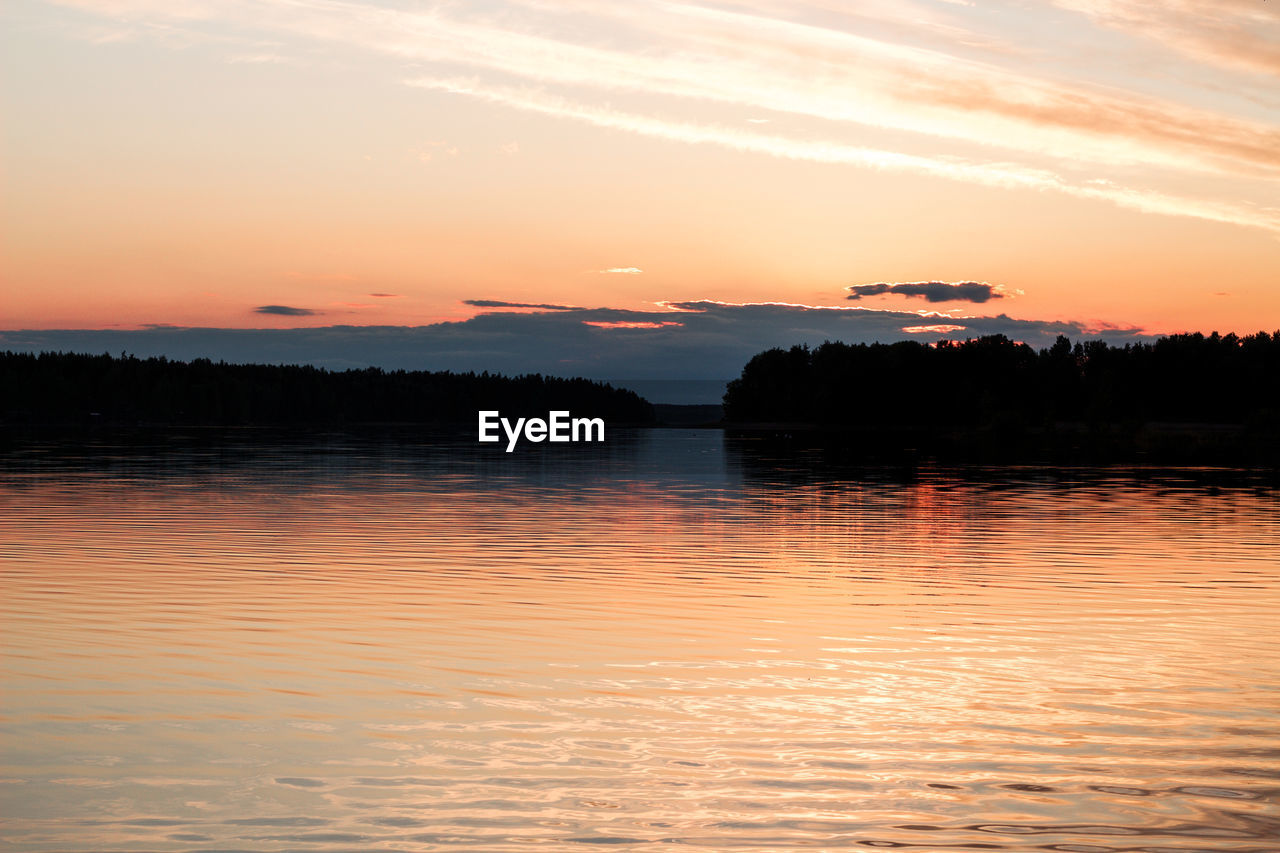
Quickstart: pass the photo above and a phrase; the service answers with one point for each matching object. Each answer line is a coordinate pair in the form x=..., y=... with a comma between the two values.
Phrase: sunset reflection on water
x=346, y=645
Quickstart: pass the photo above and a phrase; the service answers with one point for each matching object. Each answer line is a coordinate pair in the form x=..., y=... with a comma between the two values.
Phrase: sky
x=653, y=187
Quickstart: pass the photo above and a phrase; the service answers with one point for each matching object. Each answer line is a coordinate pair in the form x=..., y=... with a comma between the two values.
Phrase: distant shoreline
x=1174, y=445
x=1186, y=400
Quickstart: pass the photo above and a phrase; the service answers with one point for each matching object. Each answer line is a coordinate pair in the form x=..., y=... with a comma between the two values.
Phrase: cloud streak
x=497, y=303
x=630, y=324
x=1236, y=34
x=989, y=174
x=933, y=329
x=848, y=71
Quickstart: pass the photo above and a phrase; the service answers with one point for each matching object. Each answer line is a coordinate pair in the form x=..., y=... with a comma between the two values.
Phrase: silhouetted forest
x=65, y=388
x=993, y=383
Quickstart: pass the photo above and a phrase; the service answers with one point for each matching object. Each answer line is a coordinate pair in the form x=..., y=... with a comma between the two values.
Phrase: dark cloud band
x=284, y=311
x=932, y=291
x=686, y=340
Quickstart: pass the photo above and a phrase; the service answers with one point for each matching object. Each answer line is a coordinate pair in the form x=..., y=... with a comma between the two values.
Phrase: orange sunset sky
x=194, y=162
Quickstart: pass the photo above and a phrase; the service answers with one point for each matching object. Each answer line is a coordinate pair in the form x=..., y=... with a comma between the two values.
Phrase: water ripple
x=393, y=643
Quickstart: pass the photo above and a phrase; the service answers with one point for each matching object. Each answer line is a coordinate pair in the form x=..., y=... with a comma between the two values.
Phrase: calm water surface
x=375, y=644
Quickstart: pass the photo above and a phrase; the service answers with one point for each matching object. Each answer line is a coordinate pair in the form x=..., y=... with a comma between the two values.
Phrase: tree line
x=71, y=388
x=993, y=381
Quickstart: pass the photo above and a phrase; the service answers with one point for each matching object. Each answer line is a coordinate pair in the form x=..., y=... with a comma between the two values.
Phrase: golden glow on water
x=670, y=642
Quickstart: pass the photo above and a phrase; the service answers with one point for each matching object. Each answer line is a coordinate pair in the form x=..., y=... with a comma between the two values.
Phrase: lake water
x=389, y=644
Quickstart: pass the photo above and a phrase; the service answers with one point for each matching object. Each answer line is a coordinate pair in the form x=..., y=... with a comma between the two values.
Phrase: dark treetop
x=994, y=382
x=65, y=388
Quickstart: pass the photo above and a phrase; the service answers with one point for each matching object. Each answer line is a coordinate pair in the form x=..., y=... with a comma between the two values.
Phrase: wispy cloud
x=433, y=148
x=848, y=71
x=990, y=174
x=630, y=324
x=934, y=329
x=259, y=59
x=1237, y=34
x=621, y=271
x=497, y=303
